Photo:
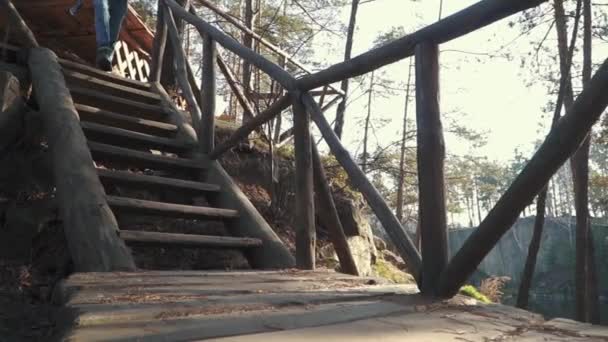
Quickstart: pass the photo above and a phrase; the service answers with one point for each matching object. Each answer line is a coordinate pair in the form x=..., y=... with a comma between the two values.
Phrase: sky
x=488, y=95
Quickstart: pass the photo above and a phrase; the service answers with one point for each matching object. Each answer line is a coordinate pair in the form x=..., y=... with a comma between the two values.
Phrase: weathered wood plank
x=474, y=17
x=130, y=139
x=142, y=159
x=399, y=237
x=104, y=117
x=90, y=226
x=241, y=322
x=136, y=180
x=89, y=70
x=188, y=240
x=431, y=155
x=136, y=206
x=208, y=92
x=560, y=144
x=305, y=203
x=117, y=104
x=111, y=88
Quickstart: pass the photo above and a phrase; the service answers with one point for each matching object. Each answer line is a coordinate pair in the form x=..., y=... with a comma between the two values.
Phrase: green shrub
x=471, y=291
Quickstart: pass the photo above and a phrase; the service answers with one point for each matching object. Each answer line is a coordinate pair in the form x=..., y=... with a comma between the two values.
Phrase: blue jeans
x=109, y=15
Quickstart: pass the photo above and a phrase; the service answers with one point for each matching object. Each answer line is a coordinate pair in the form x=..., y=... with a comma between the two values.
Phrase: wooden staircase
x=136, y=146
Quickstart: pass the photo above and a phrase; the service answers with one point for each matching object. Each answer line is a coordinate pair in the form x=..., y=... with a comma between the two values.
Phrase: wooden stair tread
x=139, y=158
x=117, y=104
x=193, y=240
x=112, y=88
x=134, y=179
x=104, y=75
x=127, y=138
x=137, y=206
x=104, y=117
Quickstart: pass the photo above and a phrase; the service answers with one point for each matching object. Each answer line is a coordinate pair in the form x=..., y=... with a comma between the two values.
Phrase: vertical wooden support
x=90, y=227
x=385, y=215
x=566, y=137
x=160, y=42
x=181, y=71
x=305, y=209
x=208, y=90
x=329, y=216
x=431, y=155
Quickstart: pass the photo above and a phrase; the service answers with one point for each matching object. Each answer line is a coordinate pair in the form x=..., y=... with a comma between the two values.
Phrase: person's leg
x=103, y=34
x=118, y=10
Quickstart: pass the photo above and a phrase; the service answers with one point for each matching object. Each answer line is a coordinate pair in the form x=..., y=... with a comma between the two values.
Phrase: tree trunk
x=339, y=125
x=526, y=280
x=401, y=180
x=364, y=155
x=592, y=301
x=248, y=42
x=523, y=293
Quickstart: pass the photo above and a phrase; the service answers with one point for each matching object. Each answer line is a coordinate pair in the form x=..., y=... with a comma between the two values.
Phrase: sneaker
x=104, y=58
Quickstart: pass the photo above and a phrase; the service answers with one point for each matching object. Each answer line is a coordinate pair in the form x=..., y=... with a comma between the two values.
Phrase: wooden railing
x=435, y=276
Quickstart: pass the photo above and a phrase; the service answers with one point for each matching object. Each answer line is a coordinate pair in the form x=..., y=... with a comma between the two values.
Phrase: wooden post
x=261, y=62
x=160, y=42
x=305, y=208
x=431, y=155
x=399, y=237
x=208, y=89
x=17, y=21
x=179, y=59
x=328, y=214
x=90, y=228
x=560, y=144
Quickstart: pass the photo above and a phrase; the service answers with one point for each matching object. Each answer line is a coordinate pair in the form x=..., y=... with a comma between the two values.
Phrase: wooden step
x=137, y=180
x=142, y=207
x=104, y=117
x=117, y=104
x=89, y=70
x=104, y=152
x=75, y=78
x=188, y=240
x=136, y=140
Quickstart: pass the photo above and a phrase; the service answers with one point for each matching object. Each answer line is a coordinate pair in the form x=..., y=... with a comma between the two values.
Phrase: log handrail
x=229, y=43
x=459, y=24
x=181, y=70
x=442, y=280
x=261, y=40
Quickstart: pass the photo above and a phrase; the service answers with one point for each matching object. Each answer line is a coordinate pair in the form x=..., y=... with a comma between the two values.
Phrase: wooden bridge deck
x=285, y=306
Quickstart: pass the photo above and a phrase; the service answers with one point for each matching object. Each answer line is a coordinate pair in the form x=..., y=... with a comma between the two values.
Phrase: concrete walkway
x=286, y=306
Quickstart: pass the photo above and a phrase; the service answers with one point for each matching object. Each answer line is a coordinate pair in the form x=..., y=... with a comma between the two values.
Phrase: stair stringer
x=250, y=223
